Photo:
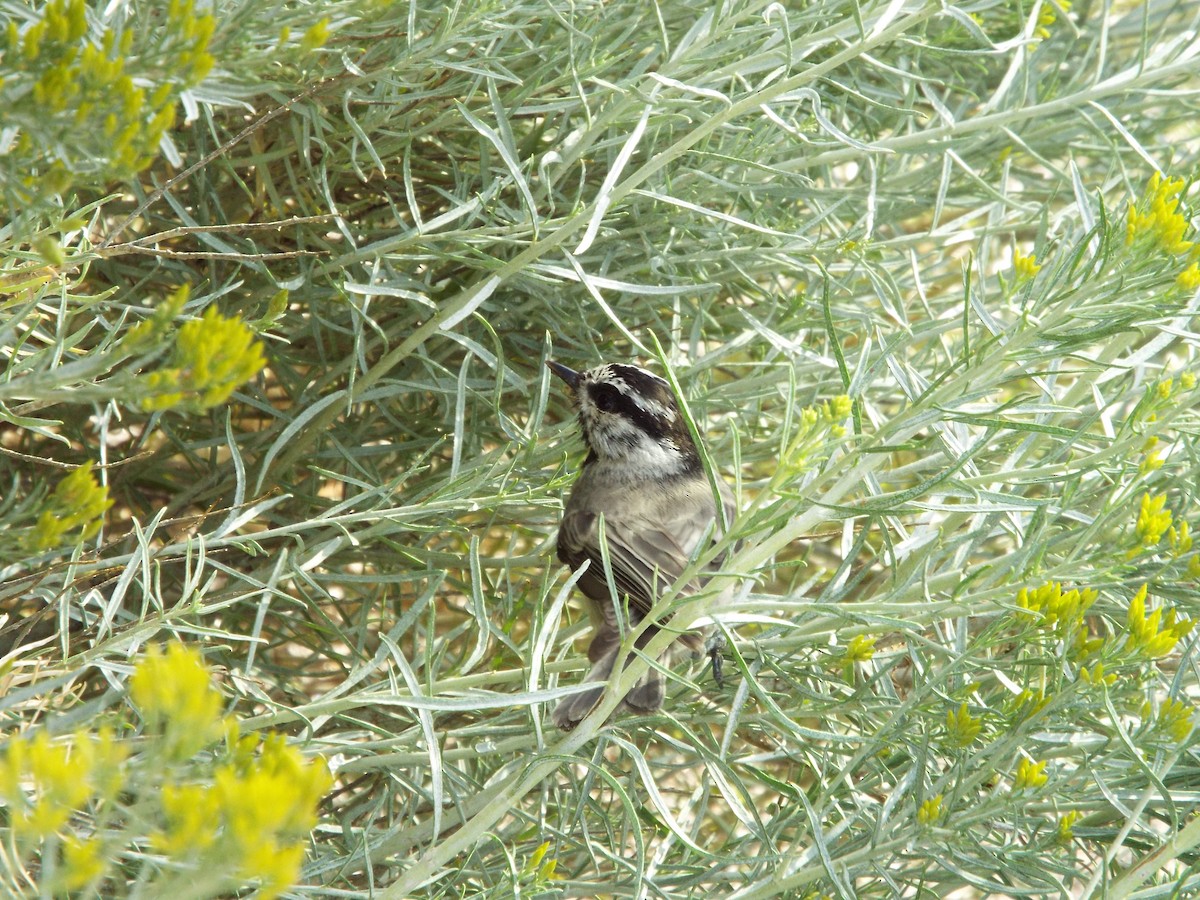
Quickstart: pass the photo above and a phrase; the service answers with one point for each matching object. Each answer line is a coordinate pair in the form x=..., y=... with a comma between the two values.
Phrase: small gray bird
x=644, y=476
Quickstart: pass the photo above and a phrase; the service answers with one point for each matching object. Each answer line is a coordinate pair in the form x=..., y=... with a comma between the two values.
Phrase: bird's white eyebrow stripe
x=654, y=408
x=608, y=374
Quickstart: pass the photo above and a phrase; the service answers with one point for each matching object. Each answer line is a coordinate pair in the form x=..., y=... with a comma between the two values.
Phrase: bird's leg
x=714, y=646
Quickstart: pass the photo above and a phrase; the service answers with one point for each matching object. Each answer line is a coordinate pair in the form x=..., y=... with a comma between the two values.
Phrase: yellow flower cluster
x=835, y=411
x=1025, y=267
x=213, y=356
x=1029, y=775
x=1066, y=827
x=1025, y=704
x=220, y=823
x=252, y=818
x=1151, y=462
x=175, y=696
x=537, y=869
x=44, y=782
x=1180, y=539
x=829, y=414
x=1156, y=220
x=1083, y=646
x=1156, y=635
x=1174, y=718
x=83, y=861
x=78, y=503
x=1054, y=609
x=962, y=728
x=1168, y=387
x=1001, y=20
x=1096, y=675
x=144, y=337
x=1153, y=520
x=1048, y=15
x=81, y=88
x=860, y=649
x=930, y=812
x=316, y=35
x=1164, y=394
x=815, y=423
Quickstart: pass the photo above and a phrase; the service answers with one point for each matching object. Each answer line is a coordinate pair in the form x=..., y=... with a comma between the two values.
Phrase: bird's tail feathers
x=644, y=697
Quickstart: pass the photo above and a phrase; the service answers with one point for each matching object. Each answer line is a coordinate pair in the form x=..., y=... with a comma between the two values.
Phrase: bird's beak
x=570, y=376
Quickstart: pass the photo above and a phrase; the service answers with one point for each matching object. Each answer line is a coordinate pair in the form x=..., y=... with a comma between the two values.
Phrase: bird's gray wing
x=648, y=550
x=579, y=540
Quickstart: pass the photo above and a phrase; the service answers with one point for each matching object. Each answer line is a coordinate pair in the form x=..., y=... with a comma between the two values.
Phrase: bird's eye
x=605, y=398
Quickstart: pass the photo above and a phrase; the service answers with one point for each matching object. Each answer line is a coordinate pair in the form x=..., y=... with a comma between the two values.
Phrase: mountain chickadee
x=644, y=476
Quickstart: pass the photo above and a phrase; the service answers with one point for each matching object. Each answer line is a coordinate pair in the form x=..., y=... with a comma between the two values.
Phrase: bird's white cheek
x=639, y=456
x=650, y=458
